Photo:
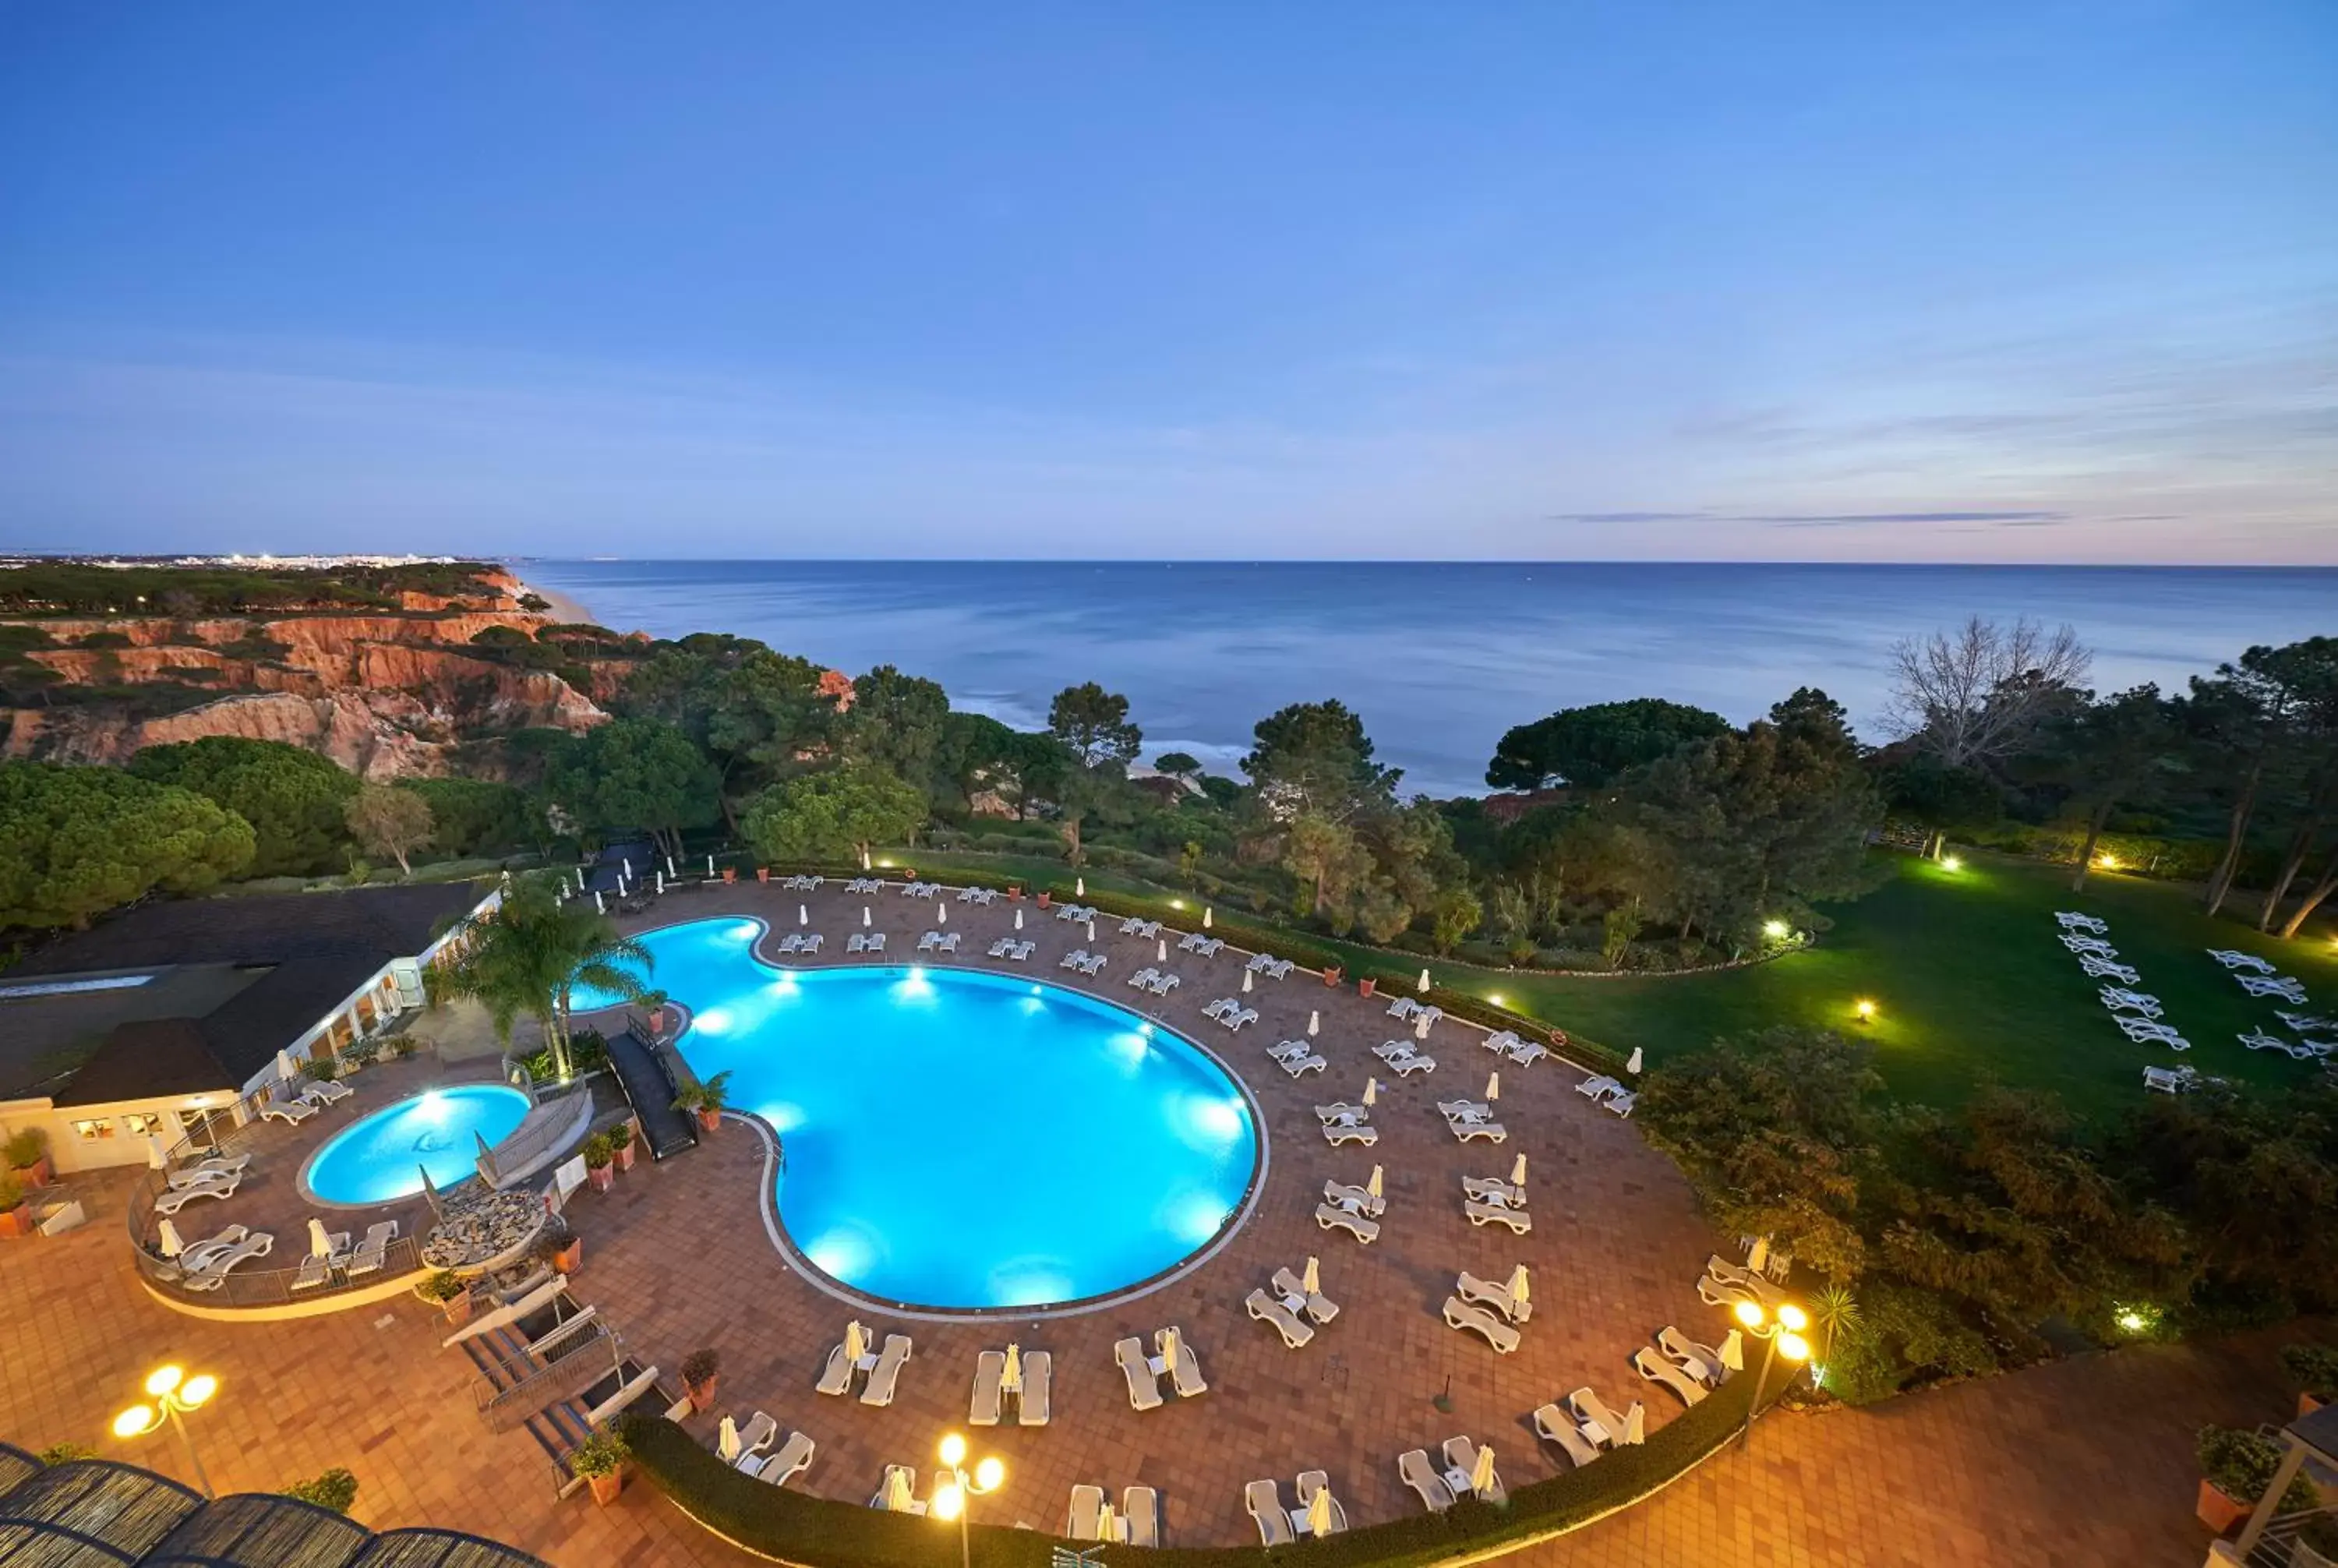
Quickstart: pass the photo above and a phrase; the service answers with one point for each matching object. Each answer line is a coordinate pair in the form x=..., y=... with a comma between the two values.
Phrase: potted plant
x=705, y=1100
x=1044, y=901
x=15, y=1215
x=448, y=1292
x=599, y=1459
x=655, y=1001
x=730, y=874
x=598, y=1156
x=559, y=1248
x=1015, y=892
x=1332, y=974
x=700, y=1369
x=2315, y=1367
x=335, y=1489
x=28, y=1156
x=762, y=873
x=621, y=1143
x=1365, y=986
x=2235, y=1467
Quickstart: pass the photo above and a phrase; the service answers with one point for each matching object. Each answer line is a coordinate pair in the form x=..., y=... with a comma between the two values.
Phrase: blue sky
x=1982, y=281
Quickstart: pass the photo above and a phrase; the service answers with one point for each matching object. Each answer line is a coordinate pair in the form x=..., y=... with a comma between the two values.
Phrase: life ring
x=1558, y=1038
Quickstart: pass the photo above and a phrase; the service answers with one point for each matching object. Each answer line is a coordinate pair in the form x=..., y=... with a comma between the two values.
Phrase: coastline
x=566, y=610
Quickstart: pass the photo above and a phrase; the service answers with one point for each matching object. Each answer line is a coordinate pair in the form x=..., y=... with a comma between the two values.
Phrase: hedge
x=797, y=1527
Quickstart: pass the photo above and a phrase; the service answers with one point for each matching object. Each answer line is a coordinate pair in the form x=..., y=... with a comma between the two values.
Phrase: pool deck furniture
x=1183, y=1370
x=884, y=1371
x=1298, y=1066
x=327, y=1091
x=1362, y=1132
x=1492, y=1293
x=1140, y=1516
x=989, y=1368
x=1138, y=926
x=1462, y=1317
x=1364, y=1230
x=1413, y=1062
x=2072, y=919
x=1623, y=1104
x=2172, y=1080
x=1403, y=1007
x=210, y=1170
x=1235, y=1020
x=1461, y=1468
x=1083, y=1520
x=1608, y=1427
x=293, y=1110
x=748, y=1442
x=1598, y=1085
x=897, y=1491
x=1722, y=1271
x=1296, y=1296
x=1527, y=1053
x=787, y=1462
x=1341, y=1111
x=1556, y=1427
x=1142, y=978
x=1161, y=984
x=2233, y=958
x=178, y=1198
x=1492, y=1190
x=1263, y=1500
x=1465, y=1129
x=868, y=942
x=1144, y=1382
x=374, y=1250
x=215, y=1268
x=1483, y=1214
x=1656, y=1369
x=1413, y=1469
x=1288, y=1050
x=1296, y=1331
x=2304, y=1023
x=1353, y=1199
x=195, y=1254
x=1702, y=1362
x=865, y=885
x=1311, y=1484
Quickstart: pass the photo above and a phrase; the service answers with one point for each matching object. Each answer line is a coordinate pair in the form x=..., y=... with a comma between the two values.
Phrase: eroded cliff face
x=386, y=696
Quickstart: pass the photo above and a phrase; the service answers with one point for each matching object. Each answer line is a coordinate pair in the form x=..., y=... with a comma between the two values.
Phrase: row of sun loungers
x=1138, y=926
x=1020, y=952
x=337, y=1257
x=982, y=897
x=1077, y=912
x=1610, y=1093
x=748, y=1449
x=1138, y=1523
x=2287, y=987
x=2301, y=1050
x=865, y=885
x=1230, y=1011
x=1468, y=1119
x=2070, y=920
x=1153, y=980
x=1318, y=1513
x=2233, y=959
x=803, y=884
x=1469, y=1470
x=1401, y=1056
x=206, y=1265
x=217, y=1184
x=1175, y=1359
x=865, y=942
x=1272, y=967
x=320, y=1093
x=1081, y=959
x=919, y=889
x=938, y=941
x=853, y=1357
x=1201, y=942
x=799, y=942
x=1013, y=1373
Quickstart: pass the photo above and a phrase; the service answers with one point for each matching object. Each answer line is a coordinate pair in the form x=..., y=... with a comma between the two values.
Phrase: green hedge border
x=791, y=1526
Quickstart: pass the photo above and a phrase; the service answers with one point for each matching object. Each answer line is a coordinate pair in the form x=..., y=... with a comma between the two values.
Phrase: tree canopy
x=77, y=841
x=1314, y=759
x=389, y=821
x=294, y=799
x=1592, y=746
x=833, y=815
x=636, y=773
x=1094, y=722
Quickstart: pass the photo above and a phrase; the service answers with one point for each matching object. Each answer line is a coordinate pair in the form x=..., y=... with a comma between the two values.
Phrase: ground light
x=1776, y=930
x=1781, y=1333
x=956, y=1487
x=1950, y=863
x=1866, y=1009
x=175, y=1394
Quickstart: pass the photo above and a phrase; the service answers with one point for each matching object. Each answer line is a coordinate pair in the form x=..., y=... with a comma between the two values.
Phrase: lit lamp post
x=952, y=1495
x=173, y=1394
x=1781, y=1334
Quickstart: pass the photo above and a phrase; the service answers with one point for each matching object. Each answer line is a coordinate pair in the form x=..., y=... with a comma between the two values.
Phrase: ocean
x=1438, y=658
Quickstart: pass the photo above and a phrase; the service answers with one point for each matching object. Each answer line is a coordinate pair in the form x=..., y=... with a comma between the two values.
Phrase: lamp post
x=1780, y=1332
x=173, y=1394
x=950, y=1498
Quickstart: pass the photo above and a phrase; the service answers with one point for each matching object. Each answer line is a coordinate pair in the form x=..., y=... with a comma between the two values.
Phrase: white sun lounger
x=1342, y=1111
x=1310, y=1483
x=1361, y=1132
x=989, y=1368
x=1491, y=1293
x=882, y=1377
x=1224, y=1004
x=1235, y=1020
x=1603, y=1426
x=1622, y=1103
x=2234, y=958
x=1319, y=1307
x=1527, y=1053
x=790, y=942
x=1084, y=1520
x=1263, y=1500
x=1461, y=1463
x=1139, y=1511
x=1592, y=1088
x=1354, y=1199
x=214, y=1273
x=1482, y=1214
x=2169, y=1080
x=1556, y=1427
x=1184, y=1373
x=293, y=1111
x=178, y=1198
x=1492, y=1190
x=211, y=1168
x=1405, y=1066
x=1143, y=978
x=754, y=1438
x=2305, y=1023
x=1413, y=1469
x=1656, y=1369
x=374, y=1250
x=836, y=1378
x=1403, y=1007
x=1500, y=1041
x=1296, y=1331
x=1389, y=1050
x=1362, y=1229
x=1303, y=1064
x=791, y=1459
x=1702, y=1362
x=1288, y=1050
x=1722, y=1272
x=1039, y=1374
x=327, y=1091
x=1460, y=1315
x=1161, y=984
x=1492, y=1132
x=196, y=1254
x=1144, y=1383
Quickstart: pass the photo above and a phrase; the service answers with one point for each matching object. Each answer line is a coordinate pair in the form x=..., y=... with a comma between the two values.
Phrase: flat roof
x=43, y=1039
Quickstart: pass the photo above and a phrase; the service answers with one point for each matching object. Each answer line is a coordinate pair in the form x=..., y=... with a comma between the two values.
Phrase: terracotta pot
x=16, y=1221
x=702, y=1395
x=38, y=1173
x=710, y=1120
x=762, y=873
x=606, y=1487
x=601, y=1176
x=571, y=1257
x=730, y=874
x=2307, y=1404
x=1364, y=987
x=458, y=1310
x=2218, y=1512
x=624, y=1158
x=1045, y=901
x=1015, y=892
x=1331, y=977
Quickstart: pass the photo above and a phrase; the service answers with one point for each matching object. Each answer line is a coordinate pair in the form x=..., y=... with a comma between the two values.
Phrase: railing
x=249, y=1286
x=528, y=1146
x=2276, y=1547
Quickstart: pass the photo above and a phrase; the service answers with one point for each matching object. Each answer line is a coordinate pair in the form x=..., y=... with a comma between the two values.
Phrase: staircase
x=558, y=1372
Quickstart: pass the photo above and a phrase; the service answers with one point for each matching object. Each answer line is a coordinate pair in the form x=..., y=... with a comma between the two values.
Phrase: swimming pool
x=380, y=1158
x=961, y=1140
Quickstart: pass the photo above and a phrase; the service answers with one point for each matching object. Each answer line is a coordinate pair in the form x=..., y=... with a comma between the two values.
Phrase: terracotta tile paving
x=2084, y=1462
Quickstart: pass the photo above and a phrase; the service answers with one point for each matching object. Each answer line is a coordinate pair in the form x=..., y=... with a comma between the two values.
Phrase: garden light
x=1950, y=863
x=175, y=1394
x=1776, y=930
x=1780, y=1333
x=955, y=1489
x=1866, y=1011
x=2132, y=1321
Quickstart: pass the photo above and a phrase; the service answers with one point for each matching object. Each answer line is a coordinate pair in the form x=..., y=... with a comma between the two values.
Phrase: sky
x=1983, y=281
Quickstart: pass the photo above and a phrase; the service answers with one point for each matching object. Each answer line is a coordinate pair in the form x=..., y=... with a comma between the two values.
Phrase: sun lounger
x=1234, y=1021
x=2233, y=958
x=1140, y=1511
x=791, y=1459
x=897, y=1491
x=1722, y=1271
x=1269, y=1310
x=1407, y=1065
x=1482, y=1214
x=1464, y=1110
x=1492, y=1132
x=374, y=1250
x=1387, y=1050
x=1005, y=944
x=1592, y=1088
x=1460, y=1315
x=1342, y=1111
x=1656, y=1369
x=1461, y=1464
x=1185, y=1371
x=1161, y=984
x=1622, y=1104
x=214, y=1273
x=1403, y=1007
x=989, y=1367
x=2259, y=1040
x=1318, y=1306
x=2305, y=1024
x=789, y=942
x=1132, y=925
x=1092, y=964
x=1144, y=1383
x=1287, y=1050
x=1603, y=1426
x=1556, y=1427
x=882, y=1377
x=1527, y=1053
x=293, y=1111
x=1362, y=1229
x=1298, y=1065
x=1143, y=978
x=1224, y=1004
x=1492, y=1190
x=1031, y=1407
x=1263, y=1500
x=210, y=1170
x=195, y=1254
x=1413, y=1469
x=178, y=1198
x=2169, y=1080
x=1354, y=1199
x=754, y=1438
x=327, y=1091
x=1492, y=1293
x=1313, y=1484
x=1720, y=1293
x=1083, y=1520
x=836, y=1378
x=1500, y=1039
x=1352, y=1132
x=1702, y=1362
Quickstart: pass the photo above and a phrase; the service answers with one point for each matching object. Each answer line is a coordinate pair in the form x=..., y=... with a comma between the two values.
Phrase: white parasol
x=941, y=912
x=1246, y=979
x=1421, y=1028
x=1757, y=1256
x=1372, y=1183
x=319, y=1244
x=1371, y=1091
x=155, y=1157
x=1167, y=1341
x=864, y=917
x=1318, y=1511
x=285, y=1067
x=804, y=916
x=1079, y=887
x=598, y=907
x=1633, y=1066
x=1107, y=1529
x=897, y=1497
x=710, y=867
x=626, y=871
x=726, y=1441
x=1205, y=917
x=1493, y=1086
x=1315, y=1025
x=855, y=1344
x=661, y=884
x=1091, y=930
x=1732, y=1351
x=1018, y=917
x=1310, y=1283
x=1518, y=1171
x=1481, y=1473
x=669, y=867
x=167, y=1234
x=1424, y=980
x=1636, y=1423
x=1010, y=1377
x=1161, y=951
x=1517, y=1290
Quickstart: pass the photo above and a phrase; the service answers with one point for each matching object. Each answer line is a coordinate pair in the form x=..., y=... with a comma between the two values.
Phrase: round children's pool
x=958, y=1140
x=380, y=1158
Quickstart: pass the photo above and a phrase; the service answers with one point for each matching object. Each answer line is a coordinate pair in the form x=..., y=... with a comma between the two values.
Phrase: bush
x=600, y=1455
x=25, y=1146
x=324, y=1069
x=12, y=1190
x=2241, y=1465
x=2315, y=1367
x=700, y=1368
x=441, y=1287
x=66, y=1453
x=598, y=1153
x=335, y=1489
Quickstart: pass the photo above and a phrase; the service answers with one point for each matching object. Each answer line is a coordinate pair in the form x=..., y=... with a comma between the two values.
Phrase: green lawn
x=1969, y=983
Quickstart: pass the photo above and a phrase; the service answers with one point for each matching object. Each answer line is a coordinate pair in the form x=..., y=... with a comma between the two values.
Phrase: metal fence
x=251, y=1287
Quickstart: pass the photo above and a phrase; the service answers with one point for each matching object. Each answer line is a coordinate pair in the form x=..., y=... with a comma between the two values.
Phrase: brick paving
x=2087, y=1461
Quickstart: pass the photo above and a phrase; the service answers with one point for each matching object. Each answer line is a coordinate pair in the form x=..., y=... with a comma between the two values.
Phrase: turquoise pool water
x=964, y=1140
x=381, y=1157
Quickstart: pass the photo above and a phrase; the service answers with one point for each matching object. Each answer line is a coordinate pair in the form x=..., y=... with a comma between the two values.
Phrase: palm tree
x=529, y=953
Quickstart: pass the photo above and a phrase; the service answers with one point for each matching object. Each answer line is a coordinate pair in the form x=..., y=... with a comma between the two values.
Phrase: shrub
x=66, y=1453
x=2315, y=1367
x=441, y=1287
x=599, y=1454
x=335, y=1489
x=25, y=1146
x=362, y=1053
x=700, y=1368
x=598, y=1152
x=2241, y=1465
x=324, y=1069
x=12, y=1190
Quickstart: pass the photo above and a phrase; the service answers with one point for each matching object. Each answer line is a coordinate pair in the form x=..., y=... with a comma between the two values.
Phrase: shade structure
x=626, y=868
x=1757, y=1256
x=319, y=1244
x=1732, y=1351
x=1011, y=1376
x=1424, y=980
x=1518, y=1171
x=1633, y=1066
x=669, y=867
x=856, y=1343
x=1107, y=1530
x=726, y=1441
x=1315, y=1025
x=710, y=865
x=1518, y=1288
x=1373, y=1182
x=1161, y=951
x=156, y=1158
x=897, y=1497
x=1318, y=1511
x=1246, y=980
x=166, y=1236
x=1636, y=1423
x=1079, y=887
x=1018, y=919
x=804, y=916
x=661, y=884
x=1494, y=1086
x=1371, y=1091
x=286, y=1068
x=598, y=907
x=864, y=917
x=1091, y=930
x=1481, y=1472
x=1310, y=1283
x=1421, y=1028
x=1205, y=917
x=1168, y=1343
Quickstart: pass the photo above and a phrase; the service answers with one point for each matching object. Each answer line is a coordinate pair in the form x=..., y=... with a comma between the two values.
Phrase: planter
x=730, y=874
x=1333, y=976
x=1015, y=892
x=762, y=874
x=458, y=1310
x=606, y=1487
x=1364, y=987
x=624, y=1158
x=16, y=1221
x=571, y=1257
x=1045, y=900
x=657, y=1020
x=38, y=1173
x=2218, y=1512
x=702, y=1395
x=710, y=1120
x=601, y=1176
x=2307, y=1404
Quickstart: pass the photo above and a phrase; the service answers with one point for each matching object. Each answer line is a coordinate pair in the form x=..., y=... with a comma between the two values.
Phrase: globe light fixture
x=1950, y=863
x=954, y=1490
x=1780, y=1331
x=1866, y=1009
x=173, y=1394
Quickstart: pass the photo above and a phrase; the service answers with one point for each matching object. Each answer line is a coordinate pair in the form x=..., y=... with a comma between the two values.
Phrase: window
x=138, y=1124
x=92, y=1132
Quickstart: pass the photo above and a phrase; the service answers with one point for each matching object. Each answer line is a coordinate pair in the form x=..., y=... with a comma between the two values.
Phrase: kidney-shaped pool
x=961, y=1140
